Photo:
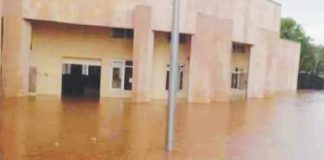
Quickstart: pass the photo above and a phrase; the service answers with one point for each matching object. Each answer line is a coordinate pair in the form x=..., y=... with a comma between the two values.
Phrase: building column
x=221, y=64
x=272, y=63
x=210, y=60
x=260, y=75
x=16, y=47
x=1, y=45
x=143, y=54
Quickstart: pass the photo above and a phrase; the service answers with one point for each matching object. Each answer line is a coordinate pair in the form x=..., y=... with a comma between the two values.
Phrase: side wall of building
x=287, y=66
x=274, y=65
x=264, y=50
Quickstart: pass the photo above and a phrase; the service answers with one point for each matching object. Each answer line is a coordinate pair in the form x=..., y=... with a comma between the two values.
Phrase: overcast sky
x=309, y=13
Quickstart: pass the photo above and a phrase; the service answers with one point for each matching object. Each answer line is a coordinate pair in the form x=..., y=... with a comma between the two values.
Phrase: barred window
x=122, y=33
x=238, y=48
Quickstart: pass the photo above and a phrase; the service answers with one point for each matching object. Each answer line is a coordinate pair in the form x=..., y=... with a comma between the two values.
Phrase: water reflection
x=289, y=127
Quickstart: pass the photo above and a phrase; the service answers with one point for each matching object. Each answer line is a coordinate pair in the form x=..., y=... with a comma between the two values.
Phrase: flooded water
x=46, y=128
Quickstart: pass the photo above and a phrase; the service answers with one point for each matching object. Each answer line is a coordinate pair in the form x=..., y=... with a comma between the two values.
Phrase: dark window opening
x=181, y=78
x=81, y=81
x=234, y=80
x=128, y=76
x=122, y=33
x=239, y=48
x=182, y=38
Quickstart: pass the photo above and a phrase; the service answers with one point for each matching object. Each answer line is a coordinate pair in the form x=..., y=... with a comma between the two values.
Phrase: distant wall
x=288, y=66
x=274, y=65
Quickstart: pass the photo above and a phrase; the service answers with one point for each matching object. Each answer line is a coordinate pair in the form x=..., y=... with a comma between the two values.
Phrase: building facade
x=120, y=49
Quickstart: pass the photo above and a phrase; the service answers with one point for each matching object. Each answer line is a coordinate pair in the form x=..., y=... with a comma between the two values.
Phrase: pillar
x=1, y=45
x=258, y=77
x=209, y=78
x=221, y=62
x=142, y=54
x=16, y=46
x=272, y=63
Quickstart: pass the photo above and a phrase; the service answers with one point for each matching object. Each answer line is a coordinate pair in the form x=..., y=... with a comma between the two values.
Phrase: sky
x=308, y=13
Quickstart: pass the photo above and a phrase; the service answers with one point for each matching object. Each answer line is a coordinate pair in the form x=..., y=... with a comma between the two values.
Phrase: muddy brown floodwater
x=45, y=128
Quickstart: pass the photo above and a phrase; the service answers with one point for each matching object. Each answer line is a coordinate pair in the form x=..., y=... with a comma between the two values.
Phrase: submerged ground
x=287, y=128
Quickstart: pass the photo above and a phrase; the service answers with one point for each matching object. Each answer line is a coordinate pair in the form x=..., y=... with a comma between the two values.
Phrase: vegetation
x=312, y=55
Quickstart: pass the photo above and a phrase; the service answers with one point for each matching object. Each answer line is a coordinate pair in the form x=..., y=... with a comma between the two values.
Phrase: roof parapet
x=275, y=2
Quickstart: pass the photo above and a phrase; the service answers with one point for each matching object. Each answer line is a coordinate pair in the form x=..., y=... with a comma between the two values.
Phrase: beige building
x=120, y=49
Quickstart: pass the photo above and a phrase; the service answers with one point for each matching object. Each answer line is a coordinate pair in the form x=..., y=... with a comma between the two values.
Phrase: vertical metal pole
x=173, y=78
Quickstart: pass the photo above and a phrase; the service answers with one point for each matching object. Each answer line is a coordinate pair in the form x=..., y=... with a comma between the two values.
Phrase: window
x=182, y=38
x=238, y=48
x=237, y=78
x=181, y=77
x=122, y=74
x=66, y=69
x=2, y=32
x=122, y=33
x=85, y=70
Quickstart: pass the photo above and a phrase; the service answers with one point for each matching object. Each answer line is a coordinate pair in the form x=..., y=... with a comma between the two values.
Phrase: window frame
x=183, y=38
x=182, y=69
x=238, y=71
x=122, y=33
x=66, y=69
x=123, y=68
x=238, y=48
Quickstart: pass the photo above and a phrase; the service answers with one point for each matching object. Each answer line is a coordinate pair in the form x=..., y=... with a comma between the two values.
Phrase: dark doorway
x=81, y=81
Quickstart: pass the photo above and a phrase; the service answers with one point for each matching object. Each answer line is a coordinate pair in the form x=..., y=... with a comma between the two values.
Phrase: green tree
x=319, y=68
x=293, y=31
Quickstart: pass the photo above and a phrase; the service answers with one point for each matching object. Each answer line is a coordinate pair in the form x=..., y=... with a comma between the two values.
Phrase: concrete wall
x=287, y=66
x=260, y=80
x=161, y=60
x=210, y=61
x=246, y=14
x=52, y=42
x=16, y=48
x=274, y=65
x=143, y=52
